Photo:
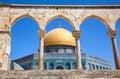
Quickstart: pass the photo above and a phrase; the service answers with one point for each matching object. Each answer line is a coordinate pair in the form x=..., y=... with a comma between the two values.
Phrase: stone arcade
x=43, y=14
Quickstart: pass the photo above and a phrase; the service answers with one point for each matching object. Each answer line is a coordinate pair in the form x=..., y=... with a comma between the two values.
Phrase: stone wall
x=60, y=74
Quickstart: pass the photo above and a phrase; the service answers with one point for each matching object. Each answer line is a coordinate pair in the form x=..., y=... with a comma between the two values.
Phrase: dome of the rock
x=59, y=36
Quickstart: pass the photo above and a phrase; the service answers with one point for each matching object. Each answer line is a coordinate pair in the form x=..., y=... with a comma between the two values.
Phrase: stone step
x=60, y=74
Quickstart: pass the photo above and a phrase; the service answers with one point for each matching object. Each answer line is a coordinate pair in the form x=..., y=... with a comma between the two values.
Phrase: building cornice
x=63, y=6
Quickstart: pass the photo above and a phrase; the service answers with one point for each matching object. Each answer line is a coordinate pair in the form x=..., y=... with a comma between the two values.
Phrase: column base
x=79, y=69
x=40, y=64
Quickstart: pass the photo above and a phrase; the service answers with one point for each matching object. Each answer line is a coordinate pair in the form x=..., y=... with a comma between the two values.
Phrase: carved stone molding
x=5, y=32
x=41, y=33
x=112, y=33
x=77, y=33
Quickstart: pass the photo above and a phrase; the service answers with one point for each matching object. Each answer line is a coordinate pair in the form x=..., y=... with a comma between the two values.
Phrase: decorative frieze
x=5, y=32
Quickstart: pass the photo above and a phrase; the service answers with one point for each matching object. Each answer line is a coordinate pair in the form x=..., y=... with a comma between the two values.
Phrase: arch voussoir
x=16, y=18
x=68, y=18
x=100, y=18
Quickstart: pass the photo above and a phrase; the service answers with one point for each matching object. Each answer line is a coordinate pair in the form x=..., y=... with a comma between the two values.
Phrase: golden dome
x=59, y=36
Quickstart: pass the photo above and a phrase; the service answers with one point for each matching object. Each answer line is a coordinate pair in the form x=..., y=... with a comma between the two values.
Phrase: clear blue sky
x=94, y=39
x=62, y=1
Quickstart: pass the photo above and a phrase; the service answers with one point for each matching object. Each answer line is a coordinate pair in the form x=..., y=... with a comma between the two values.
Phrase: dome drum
x=59, y=49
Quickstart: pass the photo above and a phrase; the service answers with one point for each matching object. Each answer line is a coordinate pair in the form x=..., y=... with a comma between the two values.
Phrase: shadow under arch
x=96, y=17
x=59, y=16
x=23, y=16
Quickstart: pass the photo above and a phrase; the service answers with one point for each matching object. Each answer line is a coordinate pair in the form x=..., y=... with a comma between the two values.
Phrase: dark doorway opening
x=59, y=67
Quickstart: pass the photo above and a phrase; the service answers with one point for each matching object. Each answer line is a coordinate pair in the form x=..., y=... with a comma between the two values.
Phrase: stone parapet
x=61, y=74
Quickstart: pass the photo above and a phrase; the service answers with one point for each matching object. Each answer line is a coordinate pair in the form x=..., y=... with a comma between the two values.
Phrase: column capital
x=112, y=33
x=77, y=33
x=41, y=33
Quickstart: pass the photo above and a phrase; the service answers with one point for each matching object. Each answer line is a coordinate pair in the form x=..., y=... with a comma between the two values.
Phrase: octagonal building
x=60, y=53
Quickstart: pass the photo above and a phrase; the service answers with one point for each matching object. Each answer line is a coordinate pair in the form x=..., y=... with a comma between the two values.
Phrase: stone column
x=5, y=49
x=41, y=50
x=112, y=34
x=77, y=34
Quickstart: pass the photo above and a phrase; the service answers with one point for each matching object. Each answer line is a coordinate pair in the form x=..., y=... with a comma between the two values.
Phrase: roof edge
x=62, y=6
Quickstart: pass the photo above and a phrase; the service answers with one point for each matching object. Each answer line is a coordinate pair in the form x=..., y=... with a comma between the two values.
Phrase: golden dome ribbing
x=59, y=36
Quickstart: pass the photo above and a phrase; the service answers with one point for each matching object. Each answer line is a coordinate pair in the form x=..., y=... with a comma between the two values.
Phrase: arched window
x=93, y=66
x=65, y=50
x=97, y=67
x=89, y=66
x=74, y=65
x=45, y=66
x=68, y=66
x=51, y=66
x=101, y=67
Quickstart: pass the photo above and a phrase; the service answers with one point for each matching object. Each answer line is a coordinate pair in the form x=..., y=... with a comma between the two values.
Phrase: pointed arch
x=60, y=16
x=25, y=33
x=96, y=17
x=22, y=16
